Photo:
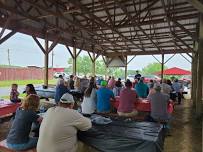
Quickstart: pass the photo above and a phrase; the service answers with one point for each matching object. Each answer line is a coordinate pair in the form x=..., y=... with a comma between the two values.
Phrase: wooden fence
x=23, y=73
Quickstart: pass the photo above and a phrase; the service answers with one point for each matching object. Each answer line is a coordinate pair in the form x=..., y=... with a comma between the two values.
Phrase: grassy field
x=22, y=95
x=24, y=82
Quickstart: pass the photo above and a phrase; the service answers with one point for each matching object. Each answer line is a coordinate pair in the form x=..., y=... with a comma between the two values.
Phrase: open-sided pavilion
x=113, y=29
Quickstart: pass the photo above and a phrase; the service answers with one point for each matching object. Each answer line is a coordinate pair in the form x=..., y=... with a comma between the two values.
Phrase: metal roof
x=107, y=27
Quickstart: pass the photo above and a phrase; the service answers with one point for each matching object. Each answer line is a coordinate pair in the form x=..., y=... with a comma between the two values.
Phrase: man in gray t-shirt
x=159, y=103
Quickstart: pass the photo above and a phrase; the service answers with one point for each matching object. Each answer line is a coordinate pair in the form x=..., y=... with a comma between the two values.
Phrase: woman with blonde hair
x=18, y=138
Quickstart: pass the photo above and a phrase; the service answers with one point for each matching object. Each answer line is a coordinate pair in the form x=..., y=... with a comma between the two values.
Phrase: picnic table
x=7, y=107
x=45, y=93
x=50, y=92
x=141, y=105
x=124, y=136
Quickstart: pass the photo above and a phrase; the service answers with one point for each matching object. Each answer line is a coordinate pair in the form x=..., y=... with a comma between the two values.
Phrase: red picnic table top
x=7, y=107
x=142, y=105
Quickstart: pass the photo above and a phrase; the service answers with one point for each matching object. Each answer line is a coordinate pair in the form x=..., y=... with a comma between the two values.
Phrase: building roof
x=107, y=27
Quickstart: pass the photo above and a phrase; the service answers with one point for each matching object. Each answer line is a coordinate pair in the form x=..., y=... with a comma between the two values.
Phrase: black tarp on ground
x=122, y=136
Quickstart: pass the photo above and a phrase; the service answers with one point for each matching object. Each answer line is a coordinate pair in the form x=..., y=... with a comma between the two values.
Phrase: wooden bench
x=4, y=148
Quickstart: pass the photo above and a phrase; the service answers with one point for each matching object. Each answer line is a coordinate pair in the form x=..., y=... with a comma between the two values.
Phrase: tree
x=84, y=65
x=101, y=67
x=152, y=68
x=116, y=72
x=132, y=72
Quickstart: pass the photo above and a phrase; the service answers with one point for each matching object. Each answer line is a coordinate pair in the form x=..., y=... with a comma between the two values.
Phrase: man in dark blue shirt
x=138, y=76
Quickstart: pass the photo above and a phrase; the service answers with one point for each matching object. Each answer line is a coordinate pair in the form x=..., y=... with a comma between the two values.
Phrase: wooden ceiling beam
x=81, y=26
x=39, y=44
x=197, y=4
x=143, y=10
x=169, y=19
x=179, y=10
x=155, y=28
x=100, y=8
x=11, y=9
x=173, y=34
x=150, y=47
x=7, y=36
x=84, y=9
x=177, y=51
x=8, y=20
x=108, y=14
x=120, y=3
x=155, y=21
x=184, y=29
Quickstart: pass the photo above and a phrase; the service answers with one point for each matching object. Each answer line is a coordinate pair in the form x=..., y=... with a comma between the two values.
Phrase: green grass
x=8, y=83
x=22, y=95
x=9, y=66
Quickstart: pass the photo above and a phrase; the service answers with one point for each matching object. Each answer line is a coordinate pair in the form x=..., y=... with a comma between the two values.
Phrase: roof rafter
x=83, y=9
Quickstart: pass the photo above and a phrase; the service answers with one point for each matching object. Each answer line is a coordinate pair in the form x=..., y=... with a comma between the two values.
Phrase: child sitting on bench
x=14, y=93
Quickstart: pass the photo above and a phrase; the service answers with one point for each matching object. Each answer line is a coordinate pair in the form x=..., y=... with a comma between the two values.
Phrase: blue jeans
x=32, y=143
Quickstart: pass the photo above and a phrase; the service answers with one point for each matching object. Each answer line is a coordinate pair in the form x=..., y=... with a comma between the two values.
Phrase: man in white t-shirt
x=58, y=130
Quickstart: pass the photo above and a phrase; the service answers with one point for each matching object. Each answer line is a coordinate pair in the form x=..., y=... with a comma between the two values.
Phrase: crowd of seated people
x=63, y=122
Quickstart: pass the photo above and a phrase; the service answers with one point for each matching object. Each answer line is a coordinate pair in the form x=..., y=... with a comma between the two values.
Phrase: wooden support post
x=46, y=50
x=93, y=65
x=74, y=61
x=199, y=93
x=162, y=67
x=46, y=63
x=199, y=97
x=194, y=80
x=126, y=68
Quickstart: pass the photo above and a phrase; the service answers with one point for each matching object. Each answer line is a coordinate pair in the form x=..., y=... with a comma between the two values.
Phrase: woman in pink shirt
x=111, y=83
x=128, y=97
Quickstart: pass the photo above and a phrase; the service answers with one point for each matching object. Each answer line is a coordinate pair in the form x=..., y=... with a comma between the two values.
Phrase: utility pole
x=52, y=62
x=9, y=61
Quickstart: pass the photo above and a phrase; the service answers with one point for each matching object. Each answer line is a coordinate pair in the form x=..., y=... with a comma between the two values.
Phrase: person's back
x=111, y=83
x=103, y=99
x=89, y=103
x=165, y=88
x=60, y=90
x=18, y=138
x=127, y=99
x=176, y=86
x=58, y=131
x=71, y=84
x=178, y=90
x=142, y=89
x=60, y=78
x=159, y=103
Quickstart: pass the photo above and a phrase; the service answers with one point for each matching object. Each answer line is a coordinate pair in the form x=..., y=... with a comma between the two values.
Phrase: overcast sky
x=24, y=51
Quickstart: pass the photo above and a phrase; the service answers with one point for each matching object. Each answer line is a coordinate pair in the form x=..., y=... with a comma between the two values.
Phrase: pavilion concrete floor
x=186, y=132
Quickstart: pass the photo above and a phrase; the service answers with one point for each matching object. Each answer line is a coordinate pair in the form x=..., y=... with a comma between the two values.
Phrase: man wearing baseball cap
x=59, y=127
x=103, y=98
x=159, y=103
